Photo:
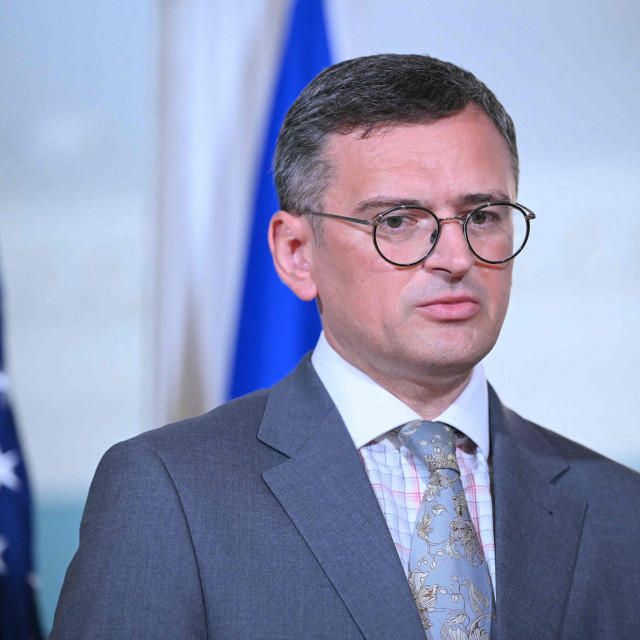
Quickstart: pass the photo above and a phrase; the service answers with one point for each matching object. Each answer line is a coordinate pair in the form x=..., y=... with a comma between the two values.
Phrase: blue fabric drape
x=275, y=327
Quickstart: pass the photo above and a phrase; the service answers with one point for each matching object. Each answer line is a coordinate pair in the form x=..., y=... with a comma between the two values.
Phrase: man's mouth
x=451, y=307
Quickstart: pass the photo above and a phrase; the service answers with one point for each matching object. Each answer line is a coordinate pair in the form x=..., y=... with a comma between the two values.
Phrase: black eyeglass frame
x=526, y=212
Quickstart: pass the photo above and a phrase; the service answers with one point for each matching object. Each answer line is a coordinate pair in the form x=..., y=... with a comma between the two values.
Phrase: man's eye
x=394, y=222
x=480, y=217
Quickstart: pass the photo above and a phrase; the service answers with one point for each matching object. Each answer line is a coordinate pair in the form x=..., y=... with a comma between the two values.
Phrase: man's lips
x=461, y=307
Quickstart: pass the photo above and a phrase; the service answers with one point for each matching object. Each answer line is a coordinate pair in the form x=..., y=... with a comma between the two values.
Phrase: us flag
x=18, y=617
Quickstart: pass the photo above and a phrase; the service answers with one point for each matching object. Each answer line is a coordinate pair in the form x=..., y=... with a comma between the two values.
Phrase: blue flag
x=18, y=619
x=275, y=327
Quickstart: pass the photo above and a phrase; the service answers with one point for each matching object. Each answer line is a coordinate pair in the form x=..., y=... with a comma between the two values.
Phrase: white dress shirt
x=370, y=412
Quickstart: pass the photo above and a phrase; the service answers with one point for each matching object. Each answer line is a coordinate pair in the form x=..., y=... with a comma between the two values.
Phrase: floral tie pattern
x=448, y=574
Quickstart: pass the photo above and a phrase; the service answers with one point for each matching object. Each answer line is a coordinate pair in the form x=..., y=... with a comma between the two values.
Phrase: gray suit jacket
x=257, y=520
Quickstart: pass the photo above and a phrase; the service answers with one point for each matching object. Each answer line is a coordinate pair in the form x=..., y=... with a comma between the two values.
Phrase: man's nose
x=451, y=254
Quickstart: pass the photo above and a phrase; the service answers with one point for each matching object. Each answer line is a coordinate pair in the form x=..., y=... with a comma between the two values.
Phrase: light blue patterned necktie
x=448, y=573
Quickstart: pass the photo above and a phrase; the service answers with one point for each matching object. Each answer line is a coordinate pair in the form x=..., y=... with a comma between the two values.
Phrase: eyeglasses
x=496, y=232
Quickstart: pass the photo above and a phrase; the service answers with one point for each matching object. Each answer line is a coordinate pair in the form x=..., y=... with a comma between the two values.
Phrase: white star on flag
x=8, y=462
x=4, y=382
x=4, y=545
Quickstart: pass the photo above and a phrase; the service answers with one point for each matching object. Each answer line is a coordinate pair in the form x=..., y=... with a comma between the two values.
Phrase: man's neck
x=427, y=397
x=428, y=394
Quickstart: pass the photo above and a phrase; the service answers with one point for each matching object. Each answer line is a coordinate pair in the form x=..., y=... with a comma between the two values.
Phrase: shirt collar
x=369, y=410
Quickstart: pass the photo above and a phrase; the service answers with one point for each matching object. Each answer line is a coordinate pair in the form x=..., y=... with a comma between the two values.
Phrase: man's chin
x=421, y=365
x=439, y=356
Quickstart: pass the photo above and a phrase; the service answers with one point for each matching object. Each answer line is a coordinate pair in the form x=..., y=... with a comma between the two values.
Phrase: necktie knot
x=432, y=442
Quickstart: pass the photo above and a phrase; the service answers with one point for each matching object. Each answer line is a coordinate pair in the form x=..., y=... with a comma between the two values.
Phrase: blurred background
x=131, y=135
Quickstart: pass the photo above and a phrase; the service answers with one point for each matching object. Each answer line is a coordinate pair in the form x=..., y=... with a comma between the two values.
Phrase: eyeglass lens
x=495, y=233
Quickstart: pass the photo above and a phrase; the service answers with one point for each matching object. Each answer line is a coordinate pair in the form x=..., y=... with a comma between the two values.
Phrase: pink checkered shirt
x=371, y=413
x=399, y=484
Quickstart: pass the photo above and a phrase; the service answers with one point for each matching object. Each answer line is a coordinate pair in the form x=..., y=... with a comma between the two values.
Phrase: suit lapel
x=325, y=491
x=537, y=529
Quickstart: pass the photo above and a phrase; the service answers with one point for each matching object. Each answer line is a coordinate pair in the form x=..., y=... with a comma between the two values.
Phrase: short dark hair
x=365, y=93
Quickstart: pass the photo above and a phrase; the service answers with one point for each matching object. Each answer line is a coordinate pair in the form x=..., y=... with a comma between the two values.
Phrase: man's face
x=435, y=319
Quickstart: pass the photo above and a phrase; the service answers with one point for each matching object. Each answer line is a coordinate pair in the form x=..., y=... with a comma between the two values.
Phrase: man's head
x=361, y=95
x=367, y=135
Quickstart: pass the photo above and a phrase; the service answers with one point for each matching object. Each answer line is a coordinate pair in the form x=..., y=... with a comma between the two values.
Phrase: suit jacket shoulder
x=120, y=580
x=566, y=563
x=227, y=434
x=591, y=473
x=256, y=520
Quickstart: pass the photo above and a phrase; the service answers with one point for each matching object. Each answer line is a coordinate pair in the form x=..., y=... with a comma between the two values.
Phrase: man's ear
x=291, y=242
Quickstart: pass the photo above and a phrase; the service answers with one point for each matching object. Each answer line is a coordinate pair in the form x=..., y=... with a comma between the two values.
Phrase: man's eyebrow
x=382, y=203
x=482, y=197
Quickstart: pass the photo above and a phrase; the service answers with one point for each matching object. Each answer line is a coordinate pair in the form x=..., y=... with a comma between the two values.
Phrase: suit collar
x=300, y=399
x=537, y=528
x=326, y=493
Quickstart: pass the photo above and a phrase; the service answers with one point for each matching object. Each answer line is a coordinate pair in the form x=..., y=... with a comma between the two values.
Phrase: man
x=381, y=490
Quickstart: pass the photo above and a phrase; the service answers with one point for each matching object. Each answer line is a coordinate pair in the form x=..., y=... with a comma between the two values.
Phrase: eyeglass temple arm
x=531, y=215
x=333, y=215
